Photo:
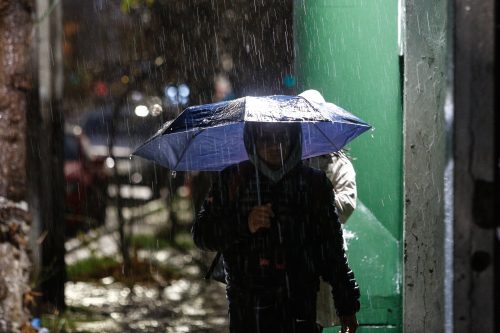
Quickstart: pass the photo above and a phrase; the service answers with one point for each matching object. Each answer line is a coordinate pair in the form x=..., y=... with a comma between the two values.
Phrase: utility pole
x=47, y=164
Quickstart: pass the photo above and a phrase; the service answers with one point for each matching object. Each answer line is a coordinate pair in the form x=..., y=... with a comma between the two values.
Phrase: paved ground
x=183, y=306
x=187, y=304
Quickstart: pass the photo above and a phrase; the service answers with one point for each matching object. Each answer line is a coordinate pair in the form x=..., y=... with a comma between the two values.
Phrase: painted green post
x=348, y=50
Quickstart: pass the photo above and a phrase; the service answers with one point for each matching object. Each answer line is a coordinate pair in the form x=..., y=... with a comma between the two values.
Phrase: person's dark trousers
x=267, y=314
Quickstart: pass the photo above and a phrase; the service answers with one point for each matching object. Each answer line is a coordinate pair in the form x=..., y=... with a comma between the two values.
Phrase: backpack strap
x=238, y=176
x=213, y=265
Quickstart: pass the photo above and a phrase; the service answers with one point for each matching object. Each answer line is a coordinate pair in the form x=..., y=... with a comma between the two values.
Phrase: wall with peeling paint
x=424, y=157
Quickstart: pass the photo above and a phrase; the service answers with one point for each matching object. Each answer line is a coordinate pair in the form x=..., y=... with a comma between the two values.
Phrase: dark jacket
x=303, y=243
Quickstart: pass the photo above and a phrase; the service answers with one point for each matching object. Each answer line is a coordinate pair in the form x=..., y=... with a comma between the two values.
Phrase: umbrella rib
x=327, y=138
x=187, y=146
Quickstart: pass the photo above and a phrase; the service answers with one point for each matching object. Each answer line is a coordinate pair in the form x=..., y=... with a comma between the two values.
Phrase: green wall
x=348, y=50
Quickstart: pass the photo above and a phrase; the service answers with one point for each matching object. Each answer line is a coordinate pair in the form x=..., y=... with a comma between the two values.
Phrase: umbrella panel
x=320, y=138
x=208, y=149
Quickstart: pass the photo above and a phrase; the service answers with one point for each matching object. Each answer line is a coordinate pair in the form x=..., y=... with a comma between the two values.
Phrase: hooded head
x=274, y=148
x=312, y=95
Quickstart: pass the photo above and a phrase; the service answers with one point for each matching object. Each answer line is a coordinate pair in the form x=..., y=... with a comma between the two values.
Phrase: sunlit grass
x=182, y=241
x=97, y=268
x=148, y=242
x=91, y=268
x=144, y=267
x=67, y=322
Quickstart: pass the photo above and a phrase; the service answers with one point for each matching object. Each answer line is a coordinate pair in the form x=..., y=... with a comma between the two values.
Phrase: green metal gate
x=348, y=50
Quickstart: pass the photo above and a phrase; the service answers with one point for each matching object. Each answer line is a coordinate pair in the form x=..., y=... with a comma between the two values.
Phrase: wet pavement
x=185, y=304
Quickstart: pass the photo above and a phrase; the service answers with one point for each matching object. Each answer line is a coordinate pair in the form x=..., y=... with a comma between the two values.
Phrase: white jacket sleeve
x=341, y=173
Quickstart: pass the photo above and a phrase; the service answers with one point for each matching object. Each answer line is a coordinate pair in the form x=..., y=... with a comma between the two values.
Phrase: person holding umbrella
x=272, y=218
x=274, y=221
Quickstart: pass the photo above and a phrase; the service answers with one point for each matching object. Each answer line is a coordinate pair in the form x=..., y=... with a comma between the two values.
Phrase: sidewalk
x=185, y=304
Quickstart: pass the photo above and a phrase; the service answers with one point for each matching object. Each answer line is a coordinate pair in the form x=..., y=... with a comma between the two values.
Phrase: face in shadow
x=273, y=145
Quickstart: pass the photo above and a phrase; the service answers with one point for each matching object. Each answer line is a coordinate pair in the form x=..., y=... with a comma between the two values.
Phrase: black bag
x=216, y=270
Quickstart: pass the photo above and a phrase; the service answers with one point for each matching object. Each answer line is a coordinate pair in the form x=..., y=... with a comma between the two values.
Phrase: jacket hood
x=251, y=134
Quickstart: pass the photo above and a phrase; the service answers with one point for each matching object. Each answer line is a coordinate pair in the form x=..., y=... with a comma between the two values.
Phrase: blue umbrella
x=209, y=137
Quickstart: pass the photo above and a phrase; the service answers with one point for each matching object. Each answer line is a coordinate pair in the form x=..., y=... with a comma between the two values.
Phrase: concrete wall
x=424, y=152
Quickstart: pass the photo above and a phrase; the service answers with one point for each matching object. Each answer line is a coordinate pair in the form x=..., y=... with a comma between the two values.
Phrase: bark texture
x=15, y=84
x=14, y=265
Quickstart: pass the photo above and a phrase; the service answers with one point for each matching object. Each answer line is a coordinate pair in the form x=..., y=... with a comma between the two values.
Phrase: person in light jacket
x=340, y=171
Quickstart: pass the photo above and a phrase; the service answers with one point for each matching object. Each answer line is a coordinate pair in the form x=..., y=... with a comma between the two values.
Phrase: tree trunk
x=15, y=85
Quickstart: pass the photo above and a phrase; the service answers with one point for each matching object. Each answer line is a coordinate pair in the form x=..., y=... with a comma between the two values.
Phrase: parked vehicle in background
x=138, y=180
x=86, y=183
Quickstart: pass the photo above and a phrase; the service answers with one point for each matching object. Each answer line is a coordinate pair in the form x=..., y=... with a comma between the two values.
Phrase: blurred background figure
x=223, y=89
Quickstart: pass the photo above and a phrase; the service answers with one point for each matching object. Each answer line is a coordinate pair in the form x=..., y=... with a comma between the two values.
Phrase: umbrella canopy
x=209, y=137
